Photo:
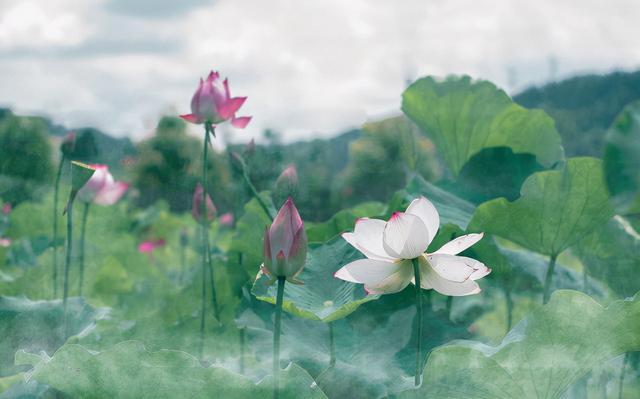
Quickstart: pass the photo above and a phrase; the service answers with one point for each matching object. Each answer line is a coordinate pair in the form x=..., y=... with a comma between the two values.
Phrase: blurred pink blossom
x=6, y=208
x=196, y=206
x=226, y=219
x=212, y=103
x=5, y=242
x=102, y=189
x=148, y=247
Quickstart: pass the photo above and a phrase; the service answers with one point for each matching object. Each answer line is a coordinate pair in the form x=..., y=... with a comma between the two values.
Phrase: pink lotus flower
x=148, y=247
x=6, y=208
x=102, y=189
x=5, y=242
x=196, y=206
x=285, y=244
x=226, y=219
x=212, y=103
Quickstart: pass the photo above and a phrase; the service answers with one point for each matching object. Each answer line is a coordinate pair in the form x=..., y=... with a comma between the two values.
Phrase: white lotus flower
x=390, y=247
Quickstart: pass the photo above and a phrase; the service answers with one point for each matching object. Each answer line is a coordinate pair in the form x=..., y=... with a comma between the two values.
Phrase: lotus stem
x=183, y=259
x=509, y=303
x=67, y=261
x=83, y=228
x=332, y=346
x=548, y=279
x=276, y=337
x=255, y=193
x=242, y=332
x=416, y=273
x=54, y=239
x=622, y=371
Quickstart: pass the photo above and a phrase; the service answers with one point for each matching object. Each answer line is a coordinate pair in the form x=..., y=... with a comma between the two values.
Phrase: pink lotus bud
x=6, y=208
x=212, y=103
x=196, y=206
x=5, y=242
x=226, y=219
x=285, y=243
x=101, y=188
x=68, y=144
x=287, y=183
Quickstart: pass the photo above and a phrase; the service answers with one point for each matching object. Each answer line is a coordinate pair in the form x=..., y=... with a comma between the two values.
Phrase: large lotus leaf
x=374, y=346
x=541, y=357
x=322, y=297
x=622, y=159
x=492, y=173
x=128, y=370
x=556, y=208
x=29, y=390
x=464, y=116
x=452, y=209
x=39, y=326
x=612, y=254
x=342, y=221
x=250, y=232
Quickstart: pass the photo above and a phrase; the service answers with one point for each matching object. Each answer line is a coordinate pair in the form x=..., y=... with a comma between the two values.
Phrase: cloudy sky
x=310, y=68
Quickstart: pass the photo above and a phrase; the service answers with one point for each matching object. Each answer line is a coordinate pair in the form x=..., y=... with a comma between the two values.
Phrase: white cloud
x=309, y=68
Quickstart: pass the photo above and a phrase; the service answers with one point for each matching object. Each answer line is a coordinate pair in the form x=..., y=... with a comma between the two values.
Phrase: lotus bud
x=80, y=175
x=287, y=183
x=196, y=207
x=212, y=103
x=226, y=219
x=68, y=144
x=285, y=243
x=101, y=188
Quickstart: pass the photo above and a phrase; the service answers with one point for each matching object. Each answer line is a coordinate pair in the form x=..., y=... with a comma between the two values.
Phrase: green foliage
x=128, y=370
x=381, y=160
x=541, y=357
x=622, y=159
x=25, y=157
x=556, y=208
x=463, y=117
x=170, y=165
x=342, y=221
x=584, y=107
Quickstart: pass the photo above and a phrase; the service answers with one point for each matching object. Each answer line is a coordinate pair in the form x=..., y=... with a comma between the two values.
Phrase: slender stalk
x=622, y=371
x=214, y=299
x=509, y=303
x=54, y=239
x=276, y=337
x=67, y=262
x=332, y=346
x=183, y=257
x=83, y=228
x=255, y=193
x=548, y=279
x=203, y=296
x=242, y=333
x=449, y=306
x=416, y=273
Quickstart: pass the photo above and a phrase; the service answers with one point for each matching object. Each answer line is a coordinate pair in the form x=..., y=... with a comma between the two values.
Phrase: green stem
x=509, y=303
x=214, y=299
x=622, y=371
x=242, y=332
x=332, y=346
x=56, y=190
x=183, y=260
x=416, y=273
x=67, y=262
x=548, y=279
x=255, y=193
x=208, y=128
x=83, y=228
x=276, y=337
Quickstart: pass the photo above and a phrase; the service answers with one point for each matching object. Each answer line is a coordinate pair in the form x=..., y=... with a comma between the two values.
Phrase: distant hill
x=584, y=107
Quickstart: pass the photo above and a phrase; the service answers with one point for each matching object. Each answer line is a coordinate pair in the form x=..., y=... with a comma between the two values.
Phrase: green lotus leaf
x=556, y=208
x=542, y=355
x=463, y=117
x=128, y=370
